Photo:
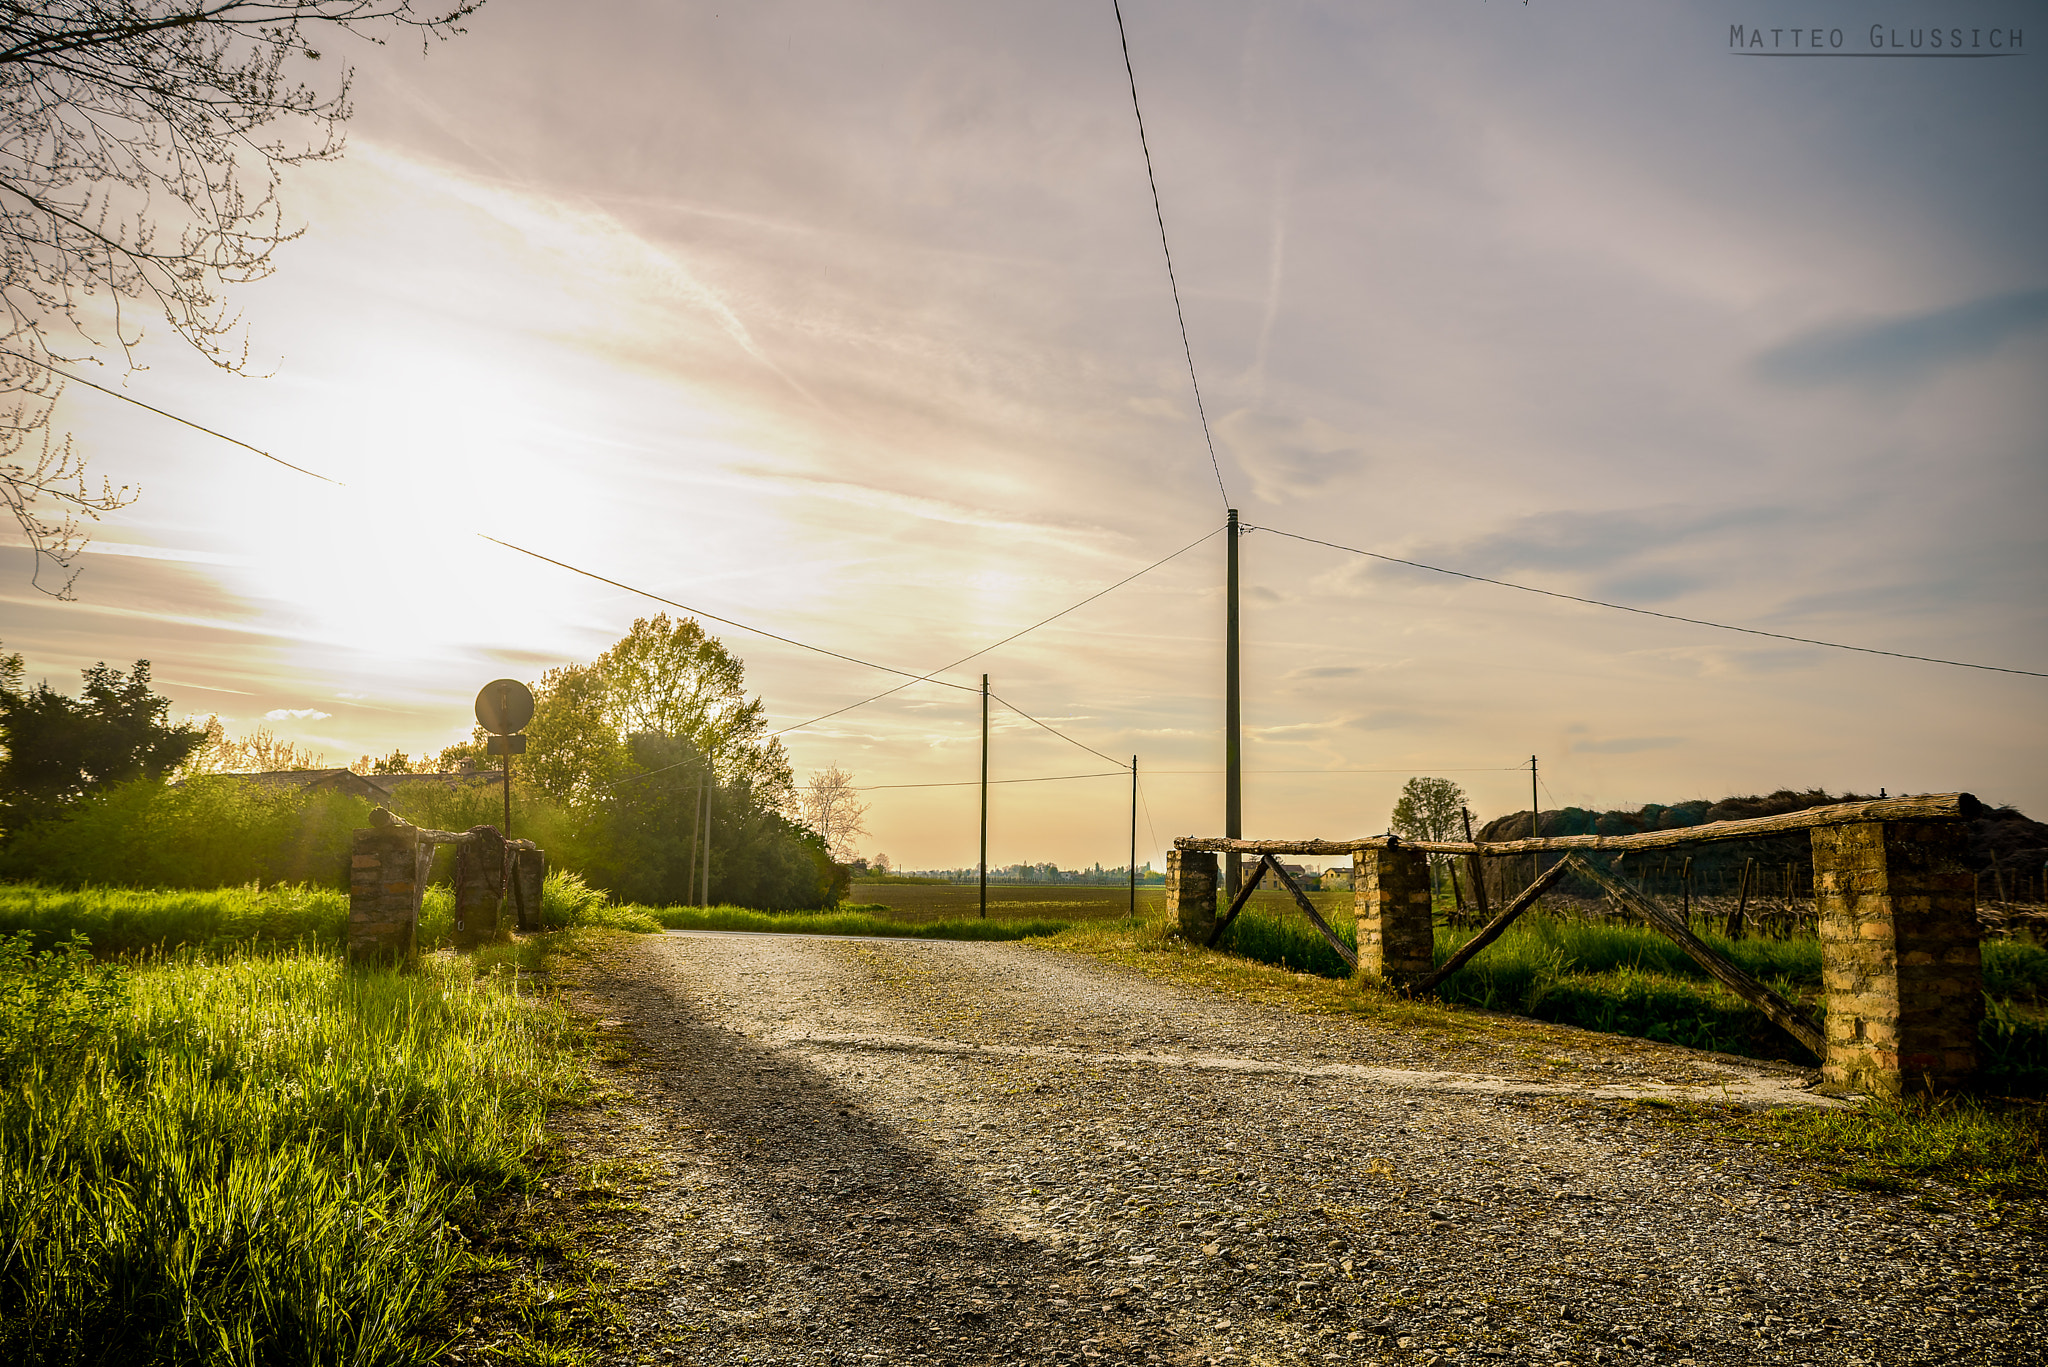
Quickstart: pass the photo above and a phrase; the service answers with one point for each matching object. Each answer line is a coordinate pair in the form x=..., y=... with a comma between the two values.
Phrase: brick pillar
x=525, y=873
x=479, y=884
x=1899, y=956
x=1191, y=893
x=387, y=873
x=1390, y=893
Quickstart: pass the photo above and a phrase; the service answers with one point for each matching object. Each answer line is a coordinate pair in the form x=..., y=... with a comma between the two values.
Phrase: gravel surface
x=925, y=1151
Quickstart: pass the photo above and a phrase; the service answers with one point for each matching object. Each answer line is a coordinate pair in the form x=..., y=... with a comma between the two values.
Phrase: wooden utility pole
x=1535, y=825
x=1233, y=766
x=696, y=820
x=1134, y=838
x=984, y=798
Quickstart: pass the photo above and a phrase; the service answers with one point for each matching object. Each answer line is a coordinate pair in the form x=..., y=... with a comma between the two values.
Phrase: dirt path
x=939, y=1152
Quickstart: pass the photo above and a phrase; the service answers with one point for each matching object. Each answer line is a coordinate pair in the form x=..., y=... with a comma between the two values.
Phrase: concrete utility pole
x=1233, y=761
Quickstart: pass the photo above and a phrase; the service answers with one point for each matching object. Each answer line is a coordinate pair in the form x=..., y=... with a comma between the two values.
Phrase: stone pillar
x=1390, y=893
x=387, y=873
x=526, y=870
x=479, y=884
x=1899, y=956
x=1191, y=893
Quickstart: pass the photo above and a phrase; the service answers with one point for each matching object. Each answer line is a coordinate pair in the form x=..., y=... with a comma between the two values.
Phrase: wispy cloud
x=1896, y=350
x=1625, y=745
x=296, y=714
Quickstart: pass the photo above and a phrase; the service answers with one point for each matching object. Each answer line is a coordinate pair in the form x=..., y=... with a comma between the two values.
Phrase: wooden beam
x=1344, y=951
x=1491, y=932
x=1932, y=807
x=1782, y=1013
x=1244, y=894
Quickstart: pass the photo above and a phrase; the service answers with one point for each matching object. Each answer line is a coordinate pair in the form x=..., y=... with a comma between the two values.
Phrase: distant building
x=1337, y=880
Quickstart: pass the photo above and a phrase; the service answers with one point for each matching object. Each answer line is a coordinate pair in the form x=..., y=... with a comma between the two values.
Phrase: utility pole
x=984, y=797
x=1134, y=839
x=1233, y=763
x=1535, y=826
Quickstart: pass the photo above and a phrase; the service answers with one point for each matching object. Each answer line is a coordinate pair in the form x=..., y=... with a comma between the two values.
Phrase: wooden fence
x=1895, y=909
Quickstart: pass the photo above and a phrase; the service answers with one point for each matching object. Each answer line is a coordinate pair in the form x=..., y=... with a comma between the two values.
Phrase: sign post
x=503, y=707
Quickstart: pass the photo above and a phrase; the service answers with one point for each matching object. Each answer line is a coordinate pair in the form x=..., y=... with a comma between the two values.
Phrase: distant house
x=1337, y=880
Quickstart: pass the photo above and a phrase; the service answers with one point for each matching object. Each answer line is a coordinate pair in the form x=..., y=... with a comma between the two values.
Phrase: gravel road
x=942, y=1152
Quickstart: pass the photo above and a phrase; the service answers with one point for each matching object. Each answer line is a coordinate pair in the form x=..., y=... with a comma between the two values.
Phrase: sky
x=851, y=323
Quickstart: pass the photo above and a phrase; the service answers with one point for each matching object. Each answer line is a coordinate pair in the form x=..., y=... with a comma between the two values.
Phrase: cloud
x=296, y=714
x=1902, y=349
x=1288, y=457
x=1628, y=745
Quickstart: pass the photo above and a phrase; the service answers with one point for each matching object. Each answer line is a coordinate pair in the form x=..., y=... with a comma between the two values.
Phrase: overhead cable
x=1167, y=252
x=161, y=413
x=727, y=621
x=1005, y=641
x=1048, y=726
x=976, y=783
x=1649, y=612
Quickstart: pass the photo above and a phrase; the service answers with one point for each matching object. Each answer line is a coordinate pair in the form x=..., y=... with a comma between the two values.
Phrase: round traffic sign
x=503, y=706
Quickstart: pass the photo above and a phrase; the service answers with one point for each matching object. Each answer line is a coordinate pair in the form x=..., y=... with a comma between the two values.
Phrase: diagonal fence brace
x=1344, y=951
x=1491, y=932
x=1782, y=1013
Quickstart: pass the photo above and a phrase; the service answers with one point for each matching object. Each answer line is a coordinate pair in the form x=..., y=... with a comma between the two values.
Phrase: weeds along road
x=941, y=1152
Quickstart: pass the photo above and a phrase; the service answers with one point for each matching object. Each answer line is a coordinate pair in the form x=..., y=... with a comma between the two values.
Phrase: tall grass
x=134, y=920
x=253, y=1160
x=1625, y=979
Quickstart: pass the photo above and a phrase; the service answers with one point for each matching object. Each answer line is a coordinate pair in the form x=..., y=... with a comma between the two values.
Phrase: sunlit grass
x=257, y=1158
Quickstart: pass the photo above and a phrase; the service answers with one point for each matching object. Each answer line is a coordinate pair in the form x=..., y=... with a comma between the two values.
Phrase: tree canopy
x=142, y=143
x=1429, y=809
x=640, y=742
x=62, y=749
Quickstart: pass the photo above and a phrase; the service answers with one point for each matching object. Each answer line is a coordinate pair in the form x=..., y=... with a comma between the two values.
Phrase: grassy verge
x=851, y=920
x=256, y=1158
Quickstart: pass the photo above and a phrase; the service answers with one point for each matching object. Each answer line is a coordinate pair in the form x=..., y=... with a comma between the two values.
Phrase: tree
x=61, y=750
x=664, y=678
x=259, y=752
x=829, y=807
x=142, y=143
x=634, y=742
x=1430, y=809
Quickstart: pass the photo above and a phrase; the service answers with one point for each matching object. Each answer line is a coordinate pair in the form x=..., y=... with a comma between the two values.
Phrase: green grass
x=1630, y=980
x=1994, y=1150
x=871, y=919
x=255, y=1158
x=129, y=920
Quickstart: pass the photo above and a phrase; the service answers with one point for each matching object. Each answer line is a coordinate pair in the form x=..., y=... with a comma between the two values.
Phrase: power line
x=1167, y=252
x=976, y=783
x=1410, y=769
x=727, y=621
x=1048, y=726
x=1648, y=612
x=197, y=427
x=1005, y=641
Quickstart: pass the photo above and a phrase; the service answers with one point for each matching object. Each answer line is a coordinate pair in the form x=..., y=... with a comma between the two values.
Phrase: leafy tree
x=628, y=742
x=664, y=678
x=259, y=752
x=1430, y=809
x=62, y=749
x=142, y=143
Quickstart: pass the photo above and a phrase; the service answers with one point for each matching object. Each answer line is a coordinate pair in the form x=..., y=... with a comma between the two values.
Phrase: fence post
x=1390, y=894
x=388, y=864
x=1191, y=893
x=479, y=886
x=1899, y=955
